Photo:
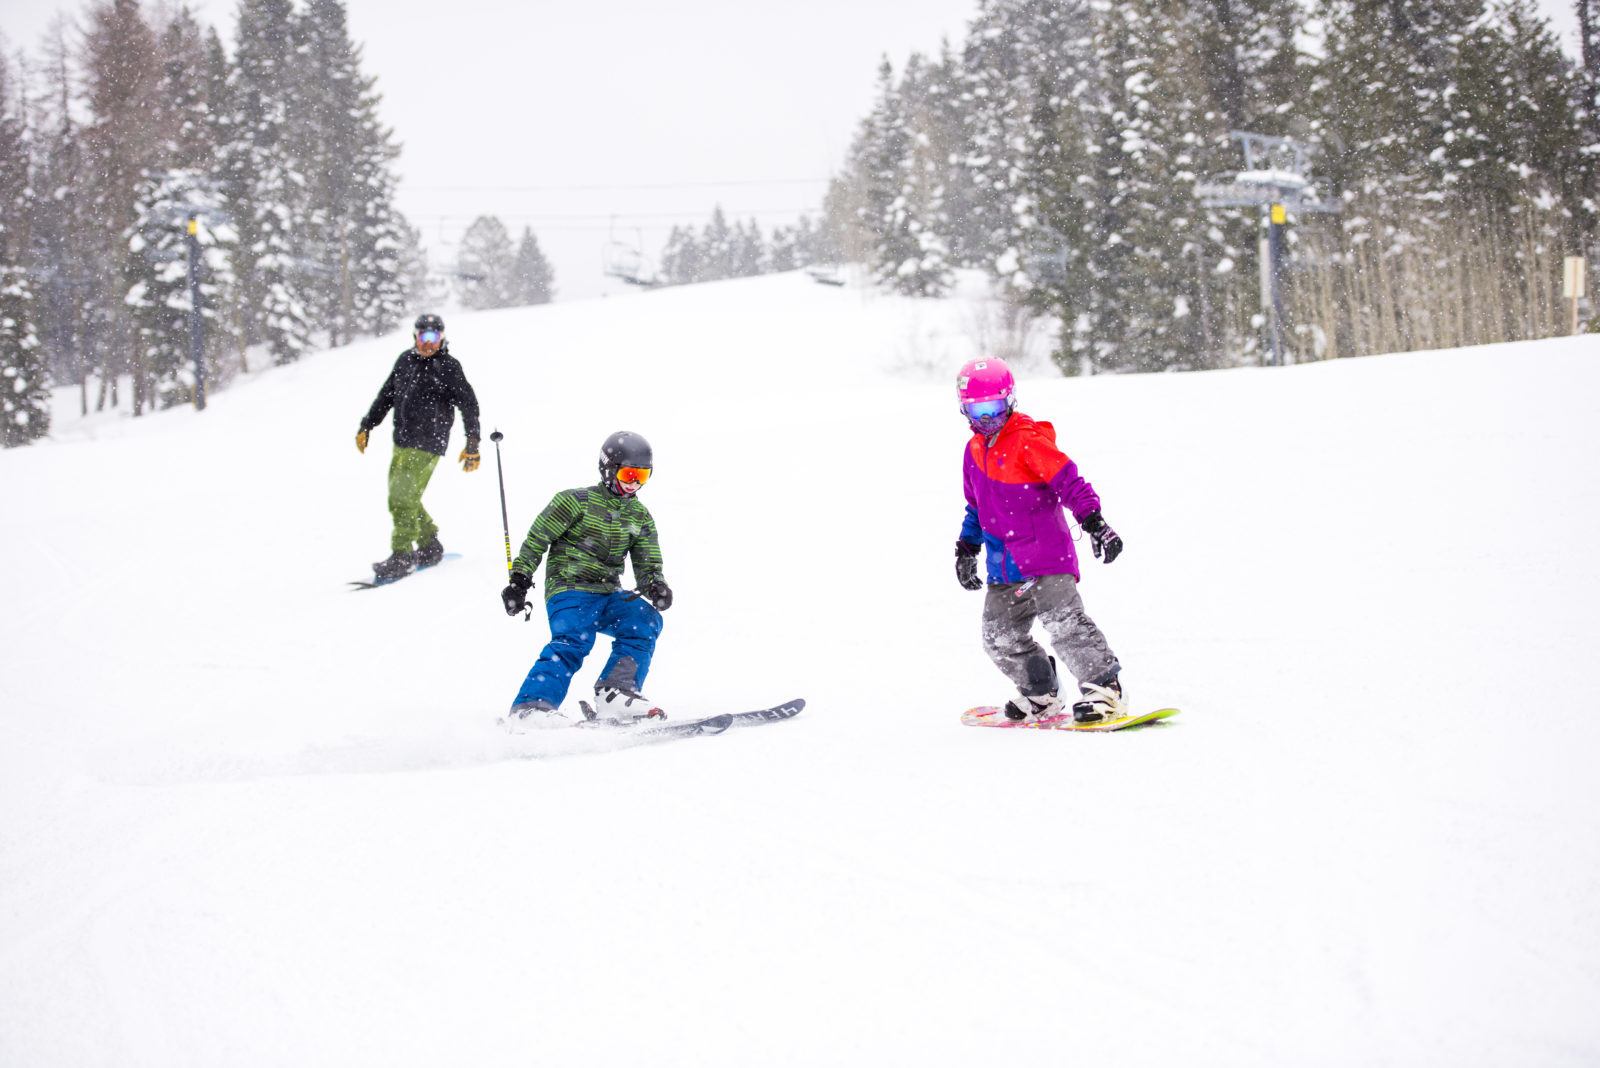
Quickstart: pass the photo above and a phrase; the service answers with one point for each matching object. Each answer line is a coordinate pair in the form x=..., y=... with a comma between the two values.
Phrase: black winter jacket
x=422, y=391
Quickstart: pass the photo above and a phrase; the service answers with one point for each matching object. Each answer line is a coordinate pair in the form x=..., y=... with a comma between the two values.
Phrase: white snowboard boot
x=1023, y=707
x=1099, y=703
x=614, y=705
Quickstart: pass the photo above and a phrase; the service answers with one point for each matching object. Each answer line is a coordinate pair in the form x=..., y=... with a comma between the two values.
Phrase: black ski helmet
x=428, y=321
x=623, y=449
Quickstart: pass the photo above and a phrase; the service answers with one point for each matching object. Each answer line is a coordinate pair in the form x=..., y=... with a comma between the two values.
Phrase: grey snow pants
x=1008, y=614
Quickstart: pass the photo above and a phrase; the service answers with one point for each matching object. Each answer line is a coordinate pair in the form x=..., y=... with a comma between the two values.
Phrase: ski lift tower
x=1275, y=178
x=190, y=214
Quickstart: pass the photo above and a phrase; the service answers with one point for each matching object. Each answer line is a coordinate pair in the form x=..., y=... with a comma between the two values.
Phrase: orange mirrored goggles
x=639, y=475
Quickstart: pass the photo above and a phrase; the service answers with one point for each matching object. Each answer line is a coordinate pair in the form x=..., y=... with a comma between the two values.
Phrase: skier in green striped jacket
x=586, y=536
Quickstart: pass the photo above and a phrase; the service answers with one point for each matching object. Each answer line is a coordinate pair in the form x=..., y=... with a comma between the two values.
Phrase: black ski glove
x=967, y=565
x=1105, y=542
x=658, y=593
x=515, y=595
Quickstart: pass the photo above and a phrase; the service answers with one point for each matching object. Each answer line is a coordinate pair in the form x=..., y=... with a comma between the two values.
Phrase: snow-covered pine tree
x=845, y=207
x=1248, y=57
x=1588, y=12
x=1017, y=53
x=58, y=219
x=716, y=248
x=486, y=265
x=997, y=85
x=942, y=120
x=220, y=110
x=1057, y=218
x=325, y=140
x=1533, y=109
x=813, y=243
x=1256, y=75
x=379, y=238
x=681, y=259
x=749, y=250
x=229, y=174
x=121, y=143
x=184, y=111
x=1041, y=244
x=356, y=235
x=158, y=270
x=264, y=187
x=1449, y=137
x=891, y=190
x=1116, y=115
x=783, y=249
x=1106, y=186
x=419, y=285
x=915, y=253
x=24, y=396
x=178, y=186
x=533, y=280
x=1385, y=92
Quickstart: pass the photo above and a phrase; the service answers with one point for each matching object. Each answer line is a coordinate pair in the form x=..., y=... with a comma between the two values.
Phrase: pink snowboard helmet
x=988, y=393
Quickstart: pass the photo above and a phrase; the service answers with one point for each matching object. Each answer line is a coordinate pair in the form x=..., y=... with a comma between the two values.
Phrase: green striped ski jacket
x=590, y=534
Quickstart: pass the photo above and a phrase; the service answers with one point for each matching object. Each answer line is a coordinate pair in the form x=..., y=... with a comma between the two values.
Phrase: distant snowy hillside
x=248, y=817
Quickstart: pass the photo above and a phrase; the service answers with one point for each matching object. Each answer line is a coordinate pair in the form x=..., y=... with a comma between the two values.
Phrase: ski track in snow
x=247, y=818
x=440, y=751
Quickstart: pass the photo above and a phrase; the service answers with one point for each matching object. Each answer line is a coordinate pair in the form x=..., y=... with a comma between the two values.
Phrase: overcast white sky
x=616, y=121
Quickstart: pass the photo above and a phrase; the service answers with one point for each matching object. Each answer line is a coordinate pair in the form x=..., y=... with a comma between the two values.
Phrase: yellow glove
x=469, y=456
x=361, y=441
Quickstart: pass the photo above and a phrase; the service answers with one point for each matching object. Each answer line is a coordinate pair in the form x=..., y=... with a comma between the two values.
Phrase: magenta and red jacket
x=1017, y=483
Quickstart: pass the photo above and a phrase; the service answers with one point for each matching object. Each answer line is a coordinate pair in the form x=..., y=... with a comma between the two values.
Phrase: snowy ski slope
x=250, y=818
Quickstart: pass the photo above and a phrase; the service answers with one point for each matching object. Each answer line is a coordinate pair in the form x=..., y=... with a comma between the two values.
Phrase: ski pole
x=499, y=470
x=505, y=522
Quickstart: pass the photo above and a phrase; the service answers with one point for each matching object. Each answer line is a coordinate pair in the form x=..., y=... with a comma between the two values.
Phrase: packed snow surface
x=249, y=817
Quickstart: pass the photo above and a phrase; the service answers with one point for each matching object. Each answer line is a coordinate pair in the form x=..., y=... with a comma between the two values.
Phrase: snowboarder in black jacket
x=424, y=389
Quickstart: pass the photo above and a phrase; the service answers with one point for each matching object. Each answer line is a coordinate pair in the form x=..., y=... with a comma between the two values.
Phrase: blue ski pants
x=576, y=619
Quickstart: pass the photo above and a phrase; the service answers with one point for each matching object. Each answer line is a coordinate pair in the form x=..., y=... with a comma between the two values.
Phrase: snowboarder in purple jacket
x=1017, y=483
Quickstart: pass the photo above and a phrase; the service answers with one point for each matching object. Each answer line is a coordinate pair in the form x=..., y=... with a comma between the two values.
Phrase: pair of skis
x=665, y=730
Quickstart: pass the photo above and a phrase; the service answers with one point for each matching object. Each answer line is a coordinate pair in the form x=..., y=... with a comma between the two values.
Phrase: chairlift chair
x=626, y=263
x=828, y=274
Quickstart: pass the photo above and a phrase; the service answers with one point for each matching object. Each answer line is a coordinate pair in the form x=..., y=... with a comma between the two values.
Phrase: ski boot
x=624, y=708
x=398, y=565
x=535, y=715
x=429, y=552
x=1037, y=700
x=1099, y=703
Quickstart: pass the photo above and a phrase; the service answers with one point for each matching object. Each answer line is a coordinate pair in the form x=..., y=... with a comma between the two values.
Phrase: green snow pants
x=409, y=473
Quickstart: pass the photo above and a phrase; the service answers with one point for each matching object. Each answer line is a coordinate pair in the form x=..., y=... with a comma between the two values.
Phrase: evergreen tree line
x=722, y=249
x=137, y=119
x=1059, y=149
x=492, y=272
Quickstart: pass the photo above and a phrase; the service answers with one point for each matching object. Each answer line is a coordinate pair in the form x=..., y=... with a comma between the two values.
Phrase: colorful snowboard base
x=985, y=716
